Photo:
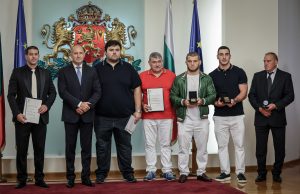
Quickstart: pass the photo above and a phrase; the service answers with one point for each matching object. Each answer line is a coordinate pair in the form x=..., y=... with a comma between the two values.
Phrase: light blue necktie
x=78, y=72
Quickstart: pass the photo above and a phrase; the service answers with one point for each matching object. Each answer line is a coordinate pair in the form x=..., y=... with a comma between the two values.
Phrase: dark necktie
x=269, y=82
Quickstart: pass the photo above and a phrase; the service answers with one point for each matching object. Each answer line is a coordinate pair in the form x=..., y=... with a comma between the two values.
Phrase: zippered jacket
x=206, y=91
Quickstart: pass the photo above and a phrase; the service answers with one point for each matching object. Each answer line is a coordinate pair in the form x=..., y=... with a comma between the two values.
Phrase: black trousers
x=71, y=133
x=262, y=133
x=38, y=135
x=104, y=129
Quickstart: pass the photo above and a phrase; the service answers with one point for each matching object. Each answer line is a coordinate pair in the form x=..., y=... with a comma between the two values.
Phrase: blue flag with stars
x=195, y=38
x=21, y=41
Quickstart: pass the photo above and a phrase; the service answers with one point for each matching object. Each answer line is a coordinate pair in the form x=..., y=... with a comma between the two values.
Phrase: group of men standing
x=103, y=97
x=107, y=95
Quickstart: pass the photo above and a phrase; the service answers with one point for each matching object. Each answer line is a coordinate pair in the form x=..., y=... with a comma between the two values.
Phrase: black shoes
x=183, y=178
x=41, y=183
x=241, y=178
x=87, y=182
x=223, y=177
x=260, y=178
x=70, y=183
x=130, y=178
x=277, y=178
x=100, y=179
x=204, y=178
x=20, y=185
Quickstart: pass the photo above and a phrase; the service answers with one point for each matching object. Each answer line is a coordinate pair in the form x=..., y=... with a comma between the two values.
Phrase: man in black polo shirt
x=231, y=85
x=121, y=98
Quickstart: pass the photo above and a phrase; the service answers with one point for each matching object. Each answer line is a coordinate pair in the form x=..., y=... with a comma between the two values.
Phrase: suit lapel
x=276, y=79
x=42, y=82
x=264, y=83
x=27, y=80
x=72, y=72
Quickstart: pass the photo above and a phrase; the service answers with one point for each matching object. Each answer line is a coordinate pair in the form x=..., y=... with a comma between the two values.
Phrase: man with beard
x=121, y=97
x=231, y=86
x=191, y=93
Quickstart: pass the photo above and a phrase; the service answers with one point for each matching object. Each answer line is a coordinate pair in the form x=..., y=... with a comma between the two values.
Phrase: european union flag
x=195, y=39
x=21, y=41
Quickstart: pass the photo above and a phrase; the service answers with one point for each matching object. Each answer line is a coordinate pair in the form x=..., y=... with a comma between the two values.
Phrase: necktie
x=78, y=72
x=269, y=82
x=33, y=84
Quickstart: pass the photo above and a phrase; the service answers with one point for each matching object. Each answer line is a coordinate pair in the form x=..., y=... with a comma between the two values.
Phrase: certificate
x=31, y=108
x=130, y=126
x=155, y=99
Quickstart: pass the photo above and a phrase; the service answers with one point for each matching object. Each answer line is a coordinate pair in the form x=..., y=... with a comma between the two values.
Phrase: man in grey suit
x=30, y=81
x=79, y=87
x=271, y=91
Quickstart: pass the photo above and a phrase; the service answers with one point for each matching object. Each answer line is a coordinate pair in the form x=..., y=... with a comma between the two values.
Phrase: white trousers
x=224, y=126
x=161, y=129
x=185, y=133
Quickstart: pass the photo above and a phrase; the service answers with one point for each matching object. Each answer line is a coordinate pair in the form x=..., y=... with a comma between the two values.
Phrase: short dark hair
x=273, y=54
x=223, y=47
x=192, y=54
x=31, y=48
x=113, y=43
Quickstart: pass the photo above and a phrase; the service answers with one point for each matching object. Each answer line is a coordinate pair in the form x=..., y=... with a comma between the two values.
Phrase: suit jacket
x=20, y=87
x=73, y=93
x=281, y=94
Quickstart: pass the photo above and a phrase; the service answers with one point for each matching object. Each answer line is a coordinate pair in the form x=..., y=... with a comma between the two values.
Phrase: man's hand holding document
x=31, y=110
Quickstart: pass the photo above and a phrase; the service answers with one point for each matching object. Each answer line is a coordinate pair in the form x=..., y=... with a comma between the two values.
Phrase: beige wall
x=250, y=29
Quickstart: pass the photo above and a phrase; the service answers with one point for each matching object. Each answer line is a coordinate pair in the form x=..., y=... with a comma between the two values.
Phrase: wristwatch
x=139, y=111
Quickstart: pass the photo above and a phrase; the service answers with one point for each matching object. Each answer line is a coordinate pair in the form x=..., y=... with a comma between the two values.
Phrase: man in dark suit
x=271, y=91
x=30, y=81
x=79, y=87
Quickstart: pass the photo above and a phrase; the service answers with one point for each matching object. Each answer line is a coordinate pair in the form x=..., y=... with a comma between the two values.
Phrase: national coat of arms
x=90, y=30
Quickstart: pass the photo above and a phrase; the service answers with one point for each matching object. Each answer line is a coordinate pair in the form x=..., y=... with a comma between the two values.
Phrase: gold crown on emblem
x=89, y=14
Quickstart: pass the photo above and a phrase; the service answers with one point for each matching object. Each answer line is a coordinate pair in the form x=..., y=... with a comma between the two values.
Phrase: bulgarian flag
x=169, y=57
x=2, y=108
x=168, y=40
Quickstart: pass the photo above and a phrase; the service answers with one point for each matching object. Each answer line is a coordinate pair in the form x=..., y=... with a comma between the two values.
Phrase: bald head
x=77, y=54
x=77, y=47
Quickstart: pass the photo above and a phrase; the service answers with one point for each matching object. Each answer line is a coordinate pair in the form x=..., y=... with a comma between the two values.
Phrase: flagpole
x=2, y=180
x=194, y=147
